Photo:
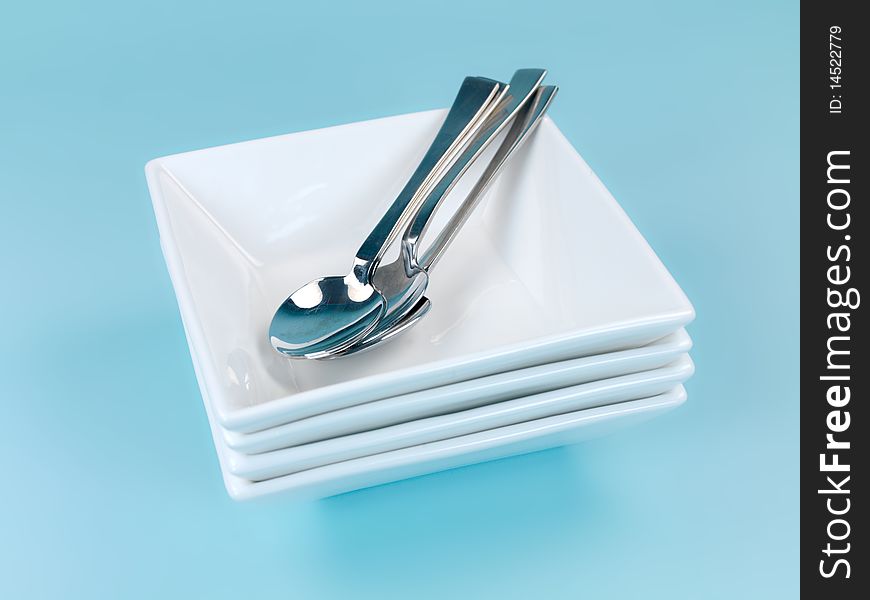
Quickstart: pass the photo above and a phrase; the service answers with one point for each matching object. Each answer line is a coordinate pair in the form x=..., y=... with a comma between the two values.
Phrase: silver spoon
x=407, y=320
x=333, y=311
x=404, y=281
x=396, y=282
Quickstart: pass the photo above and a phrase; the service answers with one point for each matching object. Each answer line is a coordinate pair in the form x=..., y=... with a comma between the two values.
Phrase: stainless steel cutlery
x=341, y=315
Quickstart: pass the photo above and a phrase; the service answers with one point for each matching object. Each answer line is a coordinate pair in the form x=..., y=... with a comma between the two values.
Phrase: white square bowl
x=422, y=459
x=461, y=396
x=548, y=267
x=610, y=391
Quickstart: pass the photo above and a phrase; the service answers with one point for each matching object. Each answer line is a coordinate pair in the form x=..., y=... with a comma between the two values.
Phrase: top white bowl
x=548, y=267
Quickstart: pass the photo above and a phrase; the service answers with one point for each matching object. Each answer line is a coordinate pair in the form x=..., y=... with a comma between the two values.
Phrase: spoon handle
x=472, y=105
x=521, y=89
x=524, y=123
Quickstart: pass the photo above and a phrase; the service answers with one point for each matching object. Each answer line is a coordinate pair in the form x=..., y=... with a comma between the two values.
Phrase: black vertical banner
x=834, y=370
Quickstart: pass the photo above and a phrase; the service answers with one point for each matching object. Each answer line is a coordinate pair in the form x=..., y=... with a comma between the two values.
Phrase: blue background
x=688, y=111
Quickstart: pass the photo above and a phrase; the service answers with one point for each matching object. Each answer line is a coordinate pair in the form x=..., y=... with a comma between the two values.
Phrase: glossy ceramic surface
x=459, y=451
x=238, y=223
x=461, y=396
x=260, y=467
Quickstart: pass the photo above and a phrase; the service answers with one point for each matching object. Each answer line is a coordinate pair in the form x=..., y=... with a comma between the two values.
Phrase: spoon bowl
x=303, y=324
x=408, y=319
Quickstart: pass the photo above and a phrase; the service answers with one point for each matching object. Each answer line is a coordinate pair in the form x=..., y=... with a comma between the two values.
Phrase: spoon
x=404, y=281
x=406, y=321
x=338, y=310
x=398, y=282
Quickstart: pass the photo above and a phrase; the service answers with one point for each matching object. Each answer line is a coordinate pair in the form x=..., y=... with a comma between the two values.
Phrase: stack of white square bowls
x=552, y=320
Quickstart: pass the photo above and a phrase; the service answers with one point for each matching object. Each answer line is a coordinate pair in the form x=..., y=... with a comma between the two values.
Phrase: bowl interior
x=547, y=252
